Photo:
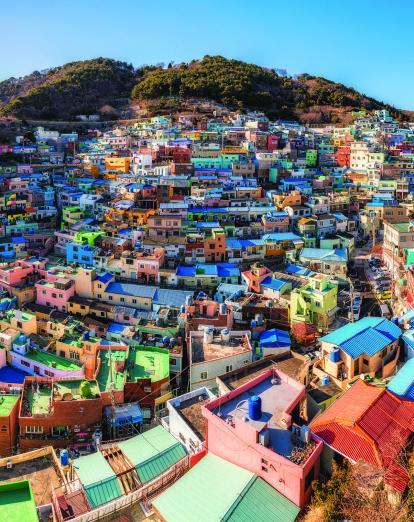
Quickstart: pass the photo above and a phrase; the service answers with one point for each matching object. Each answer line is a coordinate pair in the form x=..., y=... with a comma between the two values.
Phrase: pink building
x=55, y=292
x=268, y=443
x=15, y=273
x=142, y=265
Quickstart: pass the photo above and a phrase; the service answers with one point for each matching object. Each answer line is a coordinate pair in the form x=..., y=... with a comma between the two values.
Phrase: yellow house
x=118, y=164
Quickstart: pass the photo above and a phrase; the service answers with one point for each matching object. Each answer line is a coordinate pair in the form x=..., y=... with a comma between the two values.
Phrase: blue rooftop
x=105, y=278
x=12, y=375
x=367, y=336
x=274, y=338
x=402, y=384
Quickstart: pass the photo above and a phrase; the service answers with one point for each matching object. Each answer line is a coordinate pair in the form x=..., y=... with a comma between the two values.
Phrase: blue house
x=274, y=342
x=80, y=253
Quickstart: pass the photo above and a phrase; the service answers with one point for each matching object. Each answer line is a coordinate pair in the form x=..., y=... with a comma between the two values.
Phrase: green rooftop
x=152, y=452
x=105, y=375
x=17, y=503
x=7, y=403
x=148, y=362
x=39, y=401
x=98, y=478
x=53, y=361
x=79, y=389
x=401, y=227
x=199, y=496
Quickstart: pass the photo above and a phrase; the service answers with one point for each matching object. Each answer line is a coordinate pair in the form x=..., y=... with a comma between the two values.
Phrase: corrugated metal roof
x=199, y=496
x=367, y=423
x=261, y=502
x=156, y=465
x=368, y=342
x=152, y=452
x=348, y=331
x=98, y=478
x=347, y=442
x=402, y=384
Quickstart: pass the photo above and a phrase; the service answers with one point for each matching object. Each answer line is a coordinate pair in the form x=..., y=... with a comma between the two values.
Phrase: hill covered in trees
x=63, y=92
x=87, y=87
x=241, y=85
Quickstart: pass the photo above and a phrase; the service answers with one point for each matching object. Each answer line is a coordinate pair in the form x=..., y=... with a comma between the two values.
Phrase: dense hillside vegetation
x=242, y=85
x=85, y=87
x=64, y=92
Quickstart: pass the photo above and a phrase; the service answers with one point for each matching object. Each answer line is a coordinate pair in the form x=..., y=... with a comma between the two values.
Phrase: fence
x=144, y=493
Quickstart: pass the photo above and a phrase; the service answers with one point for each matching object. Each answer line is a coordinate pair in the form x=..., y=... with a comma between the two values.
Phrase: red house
x=370, y=424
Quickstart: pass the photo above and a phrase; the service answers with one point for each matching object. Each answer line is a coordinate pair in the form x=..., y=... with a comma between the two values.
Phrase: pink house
x=15, y=273
x=55, y=292
x=268, y=443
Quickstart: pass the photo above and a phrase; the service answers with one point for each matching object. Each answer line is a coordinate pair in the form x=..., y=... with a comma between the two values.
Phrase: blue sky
x=367, y=44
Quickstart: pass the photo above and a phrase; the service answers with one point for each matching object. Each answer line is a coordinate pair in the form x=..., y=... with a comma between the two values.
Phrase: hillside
x=240, y=85
x=106, y=85
x=64, y=92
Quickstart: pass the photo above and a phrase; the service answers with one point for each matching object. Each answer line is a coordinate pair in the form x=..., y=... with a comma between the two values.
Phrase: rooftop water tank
x=334, y=355
x=182, y=309
x=64, y=458
x=22, y=338
x=225, y=335
x=255, y=407
x=165, y=340
x=208, y=334
x=325, y=380
x=305, y=434
x=223, y=308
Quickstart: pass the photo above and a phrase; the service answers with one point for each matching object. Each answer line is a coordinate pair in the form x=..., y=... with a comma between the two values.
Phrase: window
x=24, y=363
x=203, y=376
x=74, y=355
x=19, y=324
x=34, y=429
x=49, y=374
x=365, y=361
x=229, y=368
x=110, y=298
x=173, y=362
x=356, y=366
x=383, y=353
x=4, y=428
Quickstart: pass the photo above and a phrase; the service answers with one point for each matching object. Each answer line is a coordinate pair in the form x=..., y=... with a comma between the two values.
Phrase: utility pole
x=112, y=392
x=351, y=295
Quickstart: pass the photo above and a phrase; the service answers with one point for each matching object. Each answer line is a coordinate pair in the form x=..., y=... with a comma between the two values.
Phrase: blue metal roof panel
x=368, y=342
x=402, y=384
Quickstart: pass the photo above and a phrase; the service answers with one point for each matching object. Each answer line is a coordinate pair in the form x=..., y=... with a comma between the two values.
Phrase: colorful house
x=263, y=439
x=368, y=424
x=368, y=346
x=315, y=302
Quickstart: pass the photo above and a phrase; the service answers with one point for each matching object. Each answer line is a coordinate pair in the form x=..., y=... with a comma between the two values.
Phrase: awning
x=163, y=398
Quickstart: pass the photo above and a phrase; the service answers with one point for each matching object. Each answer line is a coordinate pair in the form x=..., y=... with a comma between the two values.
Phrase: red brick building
x=58, y=413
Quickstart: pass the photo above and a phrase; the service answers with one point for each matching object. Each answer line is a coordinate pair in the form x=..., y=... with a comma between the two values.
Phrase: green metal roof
x=17, y=503
x=200, y=496
x=98, y=478
x=261, y=502
x=152, y=452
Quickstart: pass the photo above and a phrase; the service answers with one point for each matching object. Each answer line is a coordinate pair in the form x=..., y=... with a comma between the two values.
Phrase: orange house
x=117, y=164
